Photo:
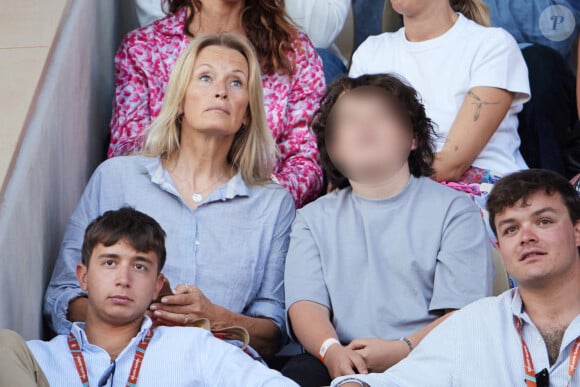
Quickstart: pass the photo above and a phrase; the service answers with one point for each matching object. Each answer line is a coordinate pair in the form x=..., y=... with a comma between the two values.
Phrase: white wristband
x=324, y=347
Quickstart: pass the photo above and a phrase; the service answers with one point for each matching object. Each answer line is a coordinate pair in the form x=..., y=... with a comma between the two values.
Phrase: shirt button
x=539, y=340
x=197, y=243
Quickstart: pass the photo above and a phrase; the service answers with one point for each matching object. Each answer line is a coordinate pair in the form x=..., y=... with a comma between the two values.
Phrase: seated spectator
x=292, y=78
x=546, y=31
x=322, y=21
x=205, y=177
x=392, y=252
x=122, y=257
x=472, y=80
x=529, y=335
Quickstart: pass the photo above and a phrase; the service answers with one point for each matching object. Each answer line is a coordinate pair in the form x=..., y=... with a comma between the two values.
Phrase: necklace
x=197, y=196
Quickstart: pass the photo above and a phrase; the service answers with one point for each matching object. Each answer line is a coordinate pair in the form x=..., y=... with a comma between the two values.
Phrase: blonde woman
x=291, y=71
x=204, y=175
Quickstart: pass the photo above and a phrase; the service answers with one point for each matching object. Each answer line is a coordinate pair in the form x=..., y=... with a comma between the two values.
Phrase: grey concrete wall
x=63, y=141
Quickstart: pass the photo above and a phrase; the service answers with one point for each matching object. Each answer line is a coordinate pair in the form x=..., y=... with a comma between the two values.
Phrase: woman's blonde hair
x=253, y=149
x=475, y=10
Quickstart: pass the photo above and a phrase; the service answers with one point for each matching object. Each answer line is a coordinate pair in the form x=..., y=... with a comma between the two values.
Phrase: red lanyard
x=79, y=359
x=529, y=364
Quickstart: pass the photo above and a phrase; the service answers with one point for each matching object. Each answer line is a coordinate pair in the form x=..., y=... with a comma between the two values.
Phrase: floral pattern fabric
x=144, y=62
x=477, y=183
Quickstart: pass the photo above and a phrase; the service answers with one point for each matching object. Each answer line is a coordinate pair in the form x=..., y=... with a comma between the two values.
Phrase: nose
x=220, y=90
x=528, y=235
x=123, y=276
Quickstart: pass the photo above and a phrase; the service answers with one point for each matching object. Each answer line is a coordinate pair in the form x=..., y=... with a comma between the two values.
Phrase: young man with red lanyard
x=528, y=336
x=123, y=254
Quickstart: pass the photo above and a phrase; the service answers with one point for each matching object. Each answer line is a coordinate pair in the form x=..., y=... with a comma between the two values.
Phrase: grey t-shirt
x=384, y=266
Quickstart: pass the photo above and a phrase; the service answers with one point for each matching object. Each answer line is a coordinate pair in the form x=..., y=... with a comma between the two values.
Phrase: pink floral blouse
x=142, y=67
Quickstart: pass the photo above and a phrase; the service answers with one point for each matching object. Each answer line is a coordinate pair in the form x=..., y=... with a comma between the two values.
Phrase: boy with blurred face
x=122, y=257
x=372, y=267
x=529, y=335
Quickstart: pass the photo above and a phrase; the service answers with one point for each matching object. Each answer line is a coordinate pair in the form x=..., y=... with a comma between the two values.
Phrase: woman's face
x=368, y=137
x=216, y=100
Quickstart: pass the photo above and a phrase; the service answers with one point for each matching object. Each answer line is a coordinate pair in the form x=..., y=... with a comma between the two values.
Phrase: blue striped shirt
x=233, y=246
x=479, y=346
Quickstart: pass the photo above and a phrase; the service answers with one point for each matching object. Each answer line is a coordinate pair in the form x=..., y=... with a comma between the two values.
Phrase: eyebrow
x=213, y=67
x=535, y=213
x=108, y=255
x=138, y=258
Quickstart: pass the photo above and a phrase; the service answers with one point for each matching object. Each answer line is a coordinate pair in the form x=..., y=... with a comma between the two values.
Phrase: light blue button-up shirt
x=479, y=346
x=233, y=246
x=176, y=356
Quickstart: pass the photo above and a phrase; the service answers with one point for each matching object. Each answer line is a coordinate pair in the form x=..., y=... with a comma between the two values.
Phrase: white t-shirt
x=444, y=69
x=321, y=20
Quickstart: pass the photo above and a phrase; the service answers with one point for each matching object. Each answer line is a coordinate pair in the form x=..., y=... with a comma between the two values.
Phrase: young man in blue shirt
x=122, y=256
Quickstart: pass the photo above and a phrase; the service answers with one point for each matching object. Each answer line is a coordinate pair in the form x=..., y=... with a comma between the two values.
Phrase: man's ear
x=159, y=285
x=82, y=271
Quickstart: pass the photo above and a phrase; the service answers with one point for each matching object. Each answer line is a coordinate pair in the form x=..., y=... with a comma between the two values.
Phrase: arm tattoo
x=455, y=146
x=478, y=104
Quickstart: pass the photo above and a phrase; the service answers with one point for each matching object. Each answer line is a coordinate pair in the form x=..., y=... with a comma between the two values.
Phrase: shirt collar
x=174, y=24
x=78, y=331
x=235, y=187
x=517, y=307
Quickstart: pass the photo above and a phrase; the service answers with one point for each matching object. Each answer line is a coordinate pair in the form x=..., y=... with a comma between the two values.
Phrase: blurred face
x=369, y=139
x=121, y=282
x=216, y=100
x=538, y=242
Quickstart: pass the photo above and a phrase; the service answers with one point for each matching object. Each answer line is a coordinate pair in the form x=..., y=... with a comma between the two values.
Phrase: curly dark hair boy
x=406, y=102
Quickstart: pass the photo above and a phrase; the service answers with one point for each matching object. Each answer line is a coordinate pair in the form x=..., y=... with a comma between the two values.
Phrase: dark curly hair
x=420, y=159
x=519, y=186
x=267, y=26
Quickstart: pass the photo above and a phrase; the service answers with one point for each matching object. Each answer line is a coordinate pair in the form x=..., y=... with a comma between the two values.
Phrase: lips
x=531, y=254
x=121, y=300
x=218, y=109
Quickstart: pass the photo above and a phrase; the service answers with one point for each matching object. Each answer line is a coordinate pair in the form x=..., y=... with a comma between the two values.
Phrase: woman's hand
x=341, y=361
x=379, y=354
x=186, y=305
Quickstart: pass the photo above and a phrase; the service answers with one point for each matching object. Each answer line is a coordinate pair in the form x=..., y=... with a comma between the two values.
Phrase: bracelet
x=352, y=380
x=324, y=347
x=408, y=342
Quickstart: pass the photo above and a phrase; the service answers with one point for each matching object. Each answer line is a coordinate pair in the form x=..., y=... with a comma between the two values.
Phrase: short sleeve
x=464, y=268
x=361, y=57
x=303, y=277
x=499, y=63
